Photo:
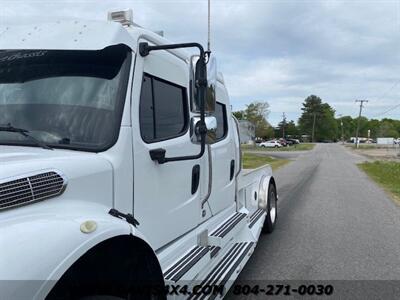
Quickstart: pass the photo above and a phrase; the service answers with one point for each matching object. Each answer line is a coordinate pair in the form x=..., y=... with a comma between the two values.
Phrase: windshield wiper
x=26, y=134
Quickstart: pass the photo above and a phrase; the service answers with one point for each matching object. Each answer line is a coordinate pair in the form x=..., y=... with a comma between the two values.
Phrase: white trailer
x=120, y=167
x=385, y=141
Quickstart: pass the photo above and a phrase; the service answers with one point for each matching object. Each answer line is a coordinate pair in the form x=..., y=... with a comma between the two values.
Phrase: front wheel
x=272, y=210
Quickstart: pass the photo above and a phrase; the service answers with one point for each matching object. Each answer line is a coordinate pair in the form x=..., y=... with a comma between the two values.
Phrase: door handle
x=232, y=170
x=195, y=178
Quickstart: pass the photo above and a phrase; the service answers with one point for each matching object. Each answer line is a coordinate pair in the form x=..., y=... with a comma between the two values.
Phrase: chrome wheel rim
x=272, y=209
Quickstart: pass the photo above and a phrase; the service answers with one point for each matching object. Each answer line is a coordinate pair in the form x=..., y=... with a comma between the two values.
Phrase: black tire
x=276, y=146
x=272, y=210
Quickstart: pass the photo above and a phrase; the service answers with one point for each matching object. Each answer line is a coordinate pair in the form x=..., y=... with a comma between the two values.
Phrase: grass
x=252, y=161
x=371, y=146
x=298, y=147
x=363, y=146
x=385, y=173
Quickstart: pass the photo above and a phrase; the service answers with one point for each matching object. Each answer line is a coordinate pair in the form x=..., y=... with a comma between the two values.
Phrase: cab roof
x=75, y=35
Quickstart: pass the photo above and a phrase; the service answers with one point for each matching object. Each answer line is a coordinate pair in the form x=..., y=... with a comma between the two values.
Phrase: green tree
x=257, y=113
x=290, y=129
x=239, y=114
x=323, y=115
x=373, y=125
x=327, y=126
x=377, y=128
x=386, y=129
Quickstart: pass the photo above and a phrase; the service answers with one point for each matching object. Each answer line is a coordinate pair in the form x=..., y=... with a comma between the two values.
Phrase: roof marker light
x=125, y=17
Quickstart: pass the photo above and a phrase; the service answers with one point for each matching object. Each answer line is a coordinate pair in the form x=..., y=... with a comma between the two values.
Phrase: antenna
x=209, y=28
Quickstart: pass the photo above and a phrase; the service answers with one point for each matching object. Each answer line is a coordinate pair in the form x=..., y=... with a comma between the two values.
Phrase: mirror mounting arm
x=201, y=82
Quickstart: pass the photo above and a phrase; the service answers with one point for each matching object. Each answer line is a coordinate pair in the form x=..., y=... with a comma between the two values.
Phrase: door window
x=163, y=110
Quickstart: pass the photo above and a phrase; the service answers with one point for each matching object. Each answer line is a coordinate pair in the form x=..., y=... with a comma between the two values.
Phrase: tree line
x=317, y=123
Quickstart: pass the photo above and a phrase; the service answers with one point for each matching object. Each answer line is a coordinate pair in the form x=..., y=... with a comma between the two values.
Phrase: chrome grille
x=31, y=189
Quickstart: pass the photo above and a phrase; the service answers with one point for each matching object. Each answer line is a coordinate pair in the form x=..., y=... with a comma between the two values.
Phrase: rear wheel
x=272, y=210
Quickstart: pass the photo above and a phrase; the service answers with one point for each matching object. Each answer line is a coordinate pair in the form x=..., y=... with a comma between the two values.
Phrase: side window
x=222, y=123
x=146, y=113
x=163, y=110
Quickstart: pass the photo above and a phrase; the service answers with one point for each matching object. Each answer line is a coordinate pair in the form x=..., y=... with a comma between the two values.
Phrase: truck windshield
x=64, y=98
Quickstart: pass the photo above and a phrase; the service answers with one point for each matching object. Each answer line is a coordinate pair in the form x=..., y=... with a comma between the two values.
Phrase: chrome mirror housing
x=211, y=124
x=210, y=97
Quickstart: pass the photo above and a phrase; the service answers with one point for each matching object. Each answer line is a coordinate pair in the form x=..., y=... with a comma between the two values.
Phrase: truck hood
x=89, y=177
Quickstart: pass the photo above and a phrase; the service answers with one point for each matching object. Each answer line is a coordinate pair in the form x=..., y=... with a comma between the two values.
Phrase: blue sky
x=274, y=51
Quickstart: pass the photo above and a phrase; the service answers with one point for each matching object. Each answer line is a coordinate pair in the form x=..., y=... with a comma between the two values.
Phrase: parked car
x=289, y=143
x=271, y=144
x=293, y=141
x=283, y=142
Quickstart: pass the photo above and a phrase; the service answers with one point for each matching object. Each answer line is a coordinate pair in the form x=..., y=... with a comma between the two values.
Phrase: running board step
x=227, y=226
x=214, y=250
x=182, y=268
x=255, y=217
x=228, y=229
x=225, y=269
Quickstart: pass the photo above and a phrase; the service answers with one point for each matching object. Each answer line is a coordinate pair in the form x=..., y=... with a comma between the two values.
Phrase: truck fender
x=263, y=190
x=38, y=247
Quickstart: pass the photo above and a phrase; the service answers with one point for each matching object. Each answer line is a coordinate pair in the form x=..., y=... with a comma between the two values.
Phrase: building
x=247, y=131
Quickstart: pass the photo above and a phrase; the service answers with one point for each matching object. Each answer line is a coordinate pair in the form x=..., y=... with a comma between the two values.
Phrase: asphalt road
x=334, y=224
x=279, y=154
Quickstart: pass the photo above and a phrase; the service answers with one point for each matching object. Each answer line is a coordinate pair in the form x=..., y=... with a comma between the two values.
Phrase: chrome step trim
x=182, y=266
x=229, y=263
x=256, y=216
x=228, y=225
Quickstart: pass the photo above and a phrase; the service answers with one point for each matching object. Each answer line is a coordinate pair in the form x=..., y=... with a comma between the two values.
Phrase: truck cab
x=120, y=166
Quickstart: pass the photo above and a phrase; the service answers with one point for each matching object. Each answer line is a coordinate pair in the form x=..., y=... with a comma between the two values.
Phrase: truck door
x=166, y=196
x=224, y=164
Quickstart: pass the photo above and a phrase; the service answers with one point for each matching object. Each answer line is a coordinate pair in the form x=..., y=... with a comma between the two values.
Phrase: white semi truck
x=120, y=167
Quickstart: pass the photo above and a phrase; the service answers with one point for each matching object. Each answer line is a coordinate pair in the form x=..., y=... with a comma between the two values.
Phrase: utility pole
x=313, y=127
x=341, y=127
x=283, y=125
x=359, y=118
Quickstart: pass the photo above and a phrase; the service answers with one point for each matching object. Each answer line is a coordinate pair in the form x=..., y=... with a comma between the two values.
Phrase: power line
x=386, y=111
x=384, y=94
x=388, y=90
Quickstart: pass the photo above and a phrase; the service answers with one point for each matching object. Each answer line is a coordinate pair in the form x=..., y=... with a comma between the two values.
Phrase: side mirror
x=199, y=69
x=211, y=124
x=198, y=77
